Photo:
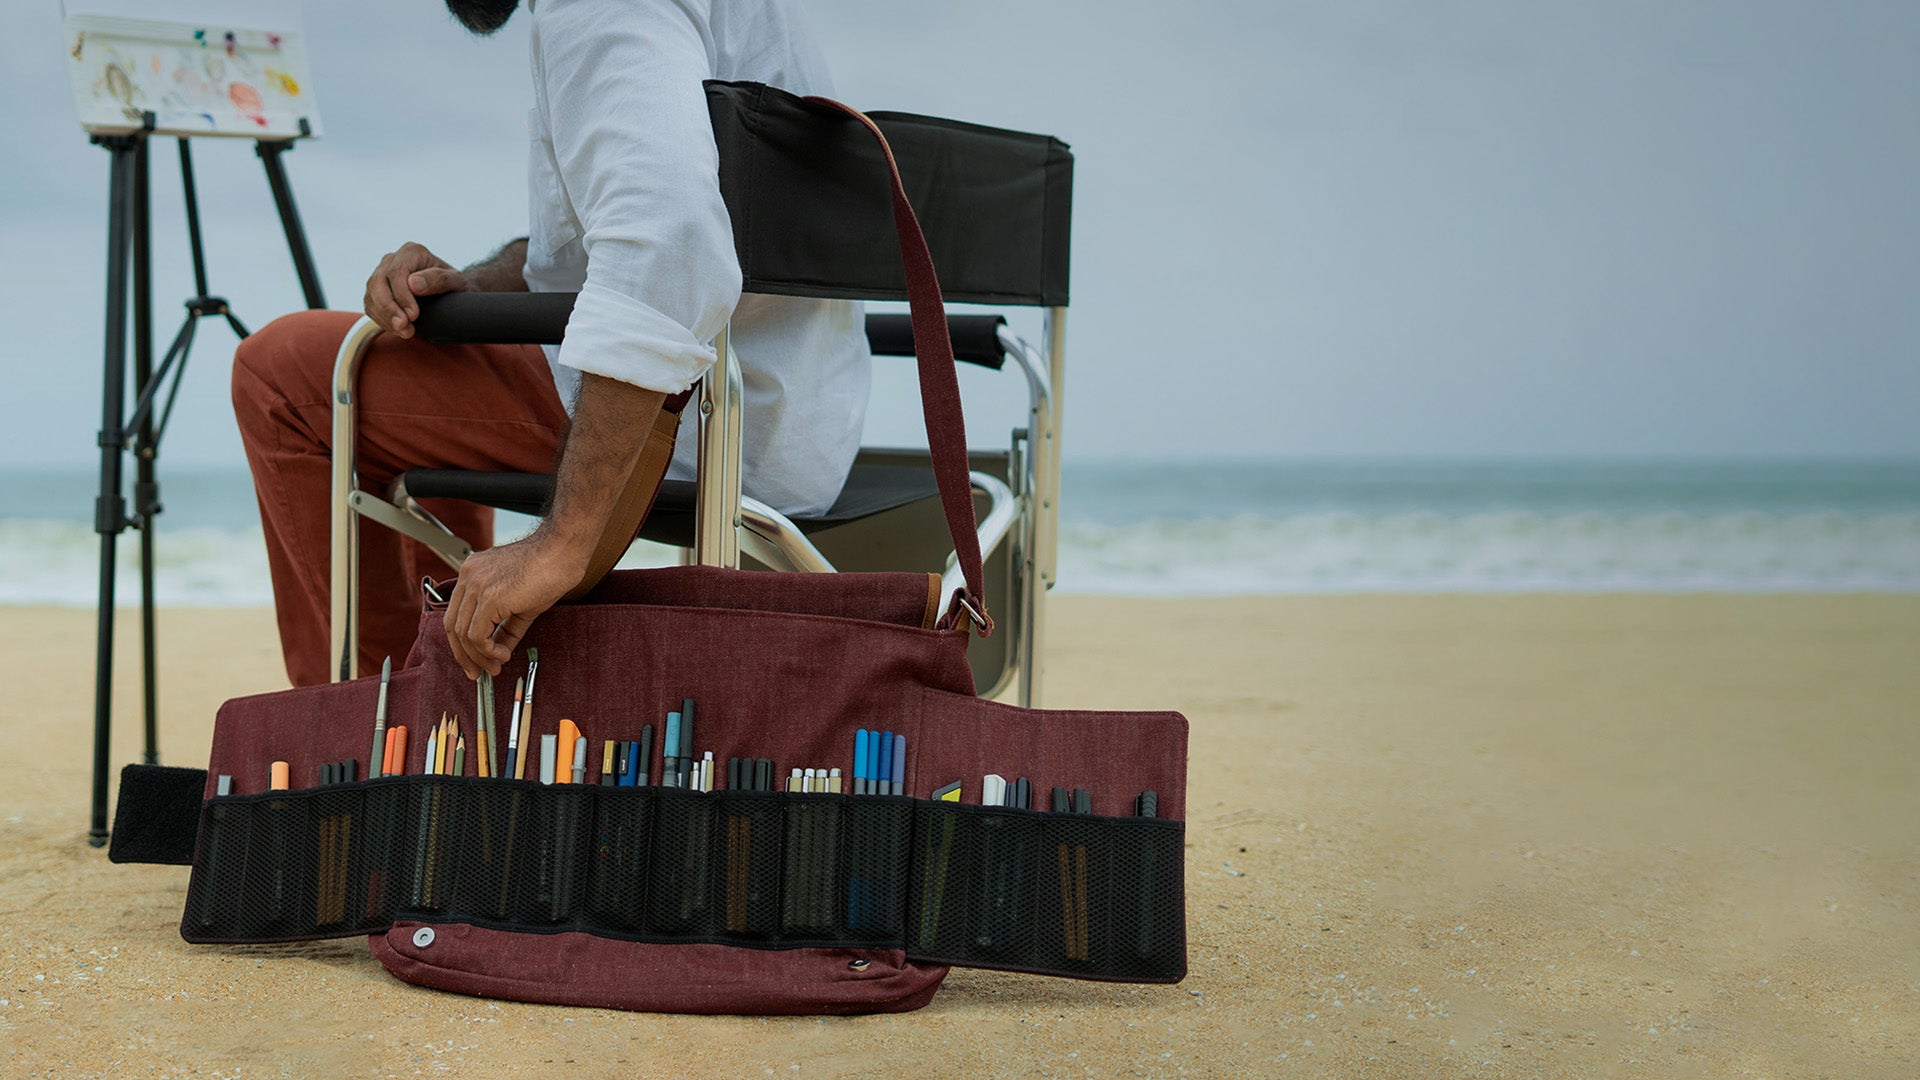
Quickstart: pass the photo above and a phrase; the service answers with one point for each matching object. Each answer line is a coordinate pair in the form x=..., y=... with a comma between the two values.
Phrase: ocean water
x=1218, y=528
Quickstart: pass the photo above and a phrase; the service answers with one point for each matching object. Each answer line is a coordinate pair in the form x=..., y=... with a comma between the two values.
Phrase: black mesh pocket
x=680, y=900
x=1050, y=893
x=974, y=889
x=498, y=852
x=622, y=861
x=1055, y=894
x=293, y=866
x=812, y=897
x=753, y=834
x=875, y=858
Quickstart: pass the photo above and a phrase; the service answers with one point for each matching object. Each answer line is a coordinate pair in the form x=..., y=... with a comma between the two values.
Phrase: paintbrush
x=379, y=721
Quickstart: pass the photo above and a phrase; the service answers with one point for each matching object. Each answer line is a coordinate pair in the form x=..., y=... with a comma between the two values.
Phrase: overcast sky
x=1329, y=229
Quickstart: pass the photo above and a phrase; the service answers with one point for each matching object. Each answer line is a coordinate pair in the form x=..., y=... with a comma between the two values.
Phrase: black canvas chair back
x=808, y=194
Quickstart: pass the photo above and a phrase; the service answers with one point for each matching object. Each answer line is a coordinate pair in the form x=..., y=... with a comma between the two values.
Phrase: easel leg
x=290, y=220
x=129, y=234
x=109, y=512
x=145, y=490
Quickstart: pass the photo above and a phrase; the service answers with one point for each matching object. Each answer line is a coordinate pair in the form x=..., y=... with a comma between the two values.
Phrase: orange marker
x=279, y=773
x=397, y=748
x=563, y=752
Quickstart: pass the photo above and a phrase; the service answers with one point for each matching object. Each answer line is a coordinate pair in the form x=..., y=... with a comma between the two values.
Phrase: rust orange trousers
x=487, y=407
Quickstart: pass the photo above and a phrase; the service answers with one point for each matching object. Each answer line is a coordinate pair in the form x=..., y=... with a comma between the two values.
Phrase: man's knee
x=288, y=361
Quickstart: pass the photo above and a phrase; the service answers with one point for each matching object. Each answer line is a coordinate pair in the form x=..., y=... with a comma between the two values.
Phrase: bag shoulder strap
x=939, y=386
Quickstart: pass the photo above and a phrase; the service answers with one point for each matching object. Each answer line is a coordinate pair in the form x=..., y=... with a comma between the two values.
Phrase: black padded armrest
x=522, y=493
x=976, y=338
x=527, y=318
x=541, y=319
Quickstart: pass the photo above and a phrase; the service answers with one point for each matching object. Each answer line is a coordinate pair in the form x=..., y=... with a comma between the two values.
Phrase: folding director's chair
x=996, y=209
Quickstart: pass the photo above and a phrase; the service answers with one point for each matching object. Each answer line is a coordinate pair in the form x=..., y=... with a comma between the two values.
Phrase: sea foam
x=1496, y=552
x=57, y=562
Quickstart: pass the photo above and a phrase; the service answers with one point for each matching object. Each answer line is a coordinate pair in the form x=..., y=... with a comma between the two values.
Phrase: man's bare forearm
x=503, y=271
x=611, y=421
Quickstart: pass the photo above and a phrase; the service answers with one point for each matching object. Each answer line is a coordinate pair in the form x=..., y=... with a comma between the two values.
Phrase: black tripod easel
x=129, y=246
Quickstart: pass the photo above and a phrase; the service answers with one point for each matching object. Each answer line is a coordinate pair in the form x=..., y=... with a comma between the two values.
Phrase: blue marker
x=860, y=762
x=670, y=753
x=899, y=765
x=883, y=764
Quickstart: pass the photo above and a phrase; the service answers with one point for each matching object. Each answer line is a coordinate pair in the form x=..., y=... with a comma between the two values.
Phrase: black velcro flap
x=158, y=816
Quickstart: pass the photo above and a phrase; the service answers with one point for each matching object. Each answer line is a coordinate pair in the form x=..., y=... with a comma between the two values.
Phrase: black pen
x=1146, y=805
x=686, y=741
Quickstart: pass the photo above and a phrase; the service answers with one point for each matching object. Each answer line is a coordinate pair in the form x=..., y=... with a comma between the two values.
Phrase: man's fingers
x=379, y=302
x=508, y=636
x=483, y=614
x=435, y=280
x=457, y=606
x=390, y=297
x=482, y=624
x=469, y=626
x=397, y=275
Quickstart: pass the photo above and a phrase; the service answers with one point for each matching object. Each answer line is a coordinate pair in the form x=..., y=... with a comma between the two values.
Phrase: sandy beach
x=1466, y=835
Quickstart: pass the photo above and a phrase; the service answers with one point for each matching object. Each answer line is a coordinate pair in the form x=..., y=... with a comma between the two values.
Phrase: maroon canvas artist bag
x=737, y=901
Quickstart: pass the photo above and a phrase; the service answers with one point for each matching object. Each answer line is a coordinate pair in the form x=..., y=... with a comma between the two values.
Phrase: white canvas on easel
x=196, y=76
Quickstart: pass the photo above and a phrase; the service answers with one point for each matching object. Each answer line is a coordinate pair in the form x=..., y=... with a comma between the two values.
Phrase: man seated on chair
x=625, y=208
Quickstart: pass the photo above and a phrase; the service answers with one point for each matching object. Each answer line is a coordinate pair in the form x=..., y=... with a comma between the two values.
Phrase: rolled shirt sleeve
x=618, y=88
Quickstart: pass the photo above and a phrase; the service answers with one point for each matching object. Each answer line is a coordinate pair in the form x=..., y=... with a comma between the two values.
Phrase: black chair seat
x=870, y=490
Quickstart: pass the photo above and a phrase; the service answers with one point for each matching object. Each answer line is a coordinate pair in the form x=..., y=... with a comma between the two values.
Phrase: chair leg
x=1021, y=470
x=717, y=517
x=1033, y=596
x=344, y=562
x=1037, y=476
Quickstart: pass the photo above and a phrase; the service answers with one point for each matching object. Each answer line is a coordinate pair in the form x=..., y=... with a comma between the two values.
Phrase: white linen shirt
x=625, y=208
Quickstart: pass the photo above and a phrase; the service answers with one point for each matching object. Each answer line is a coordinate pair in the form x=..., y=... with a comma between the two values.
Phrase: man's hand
x=502, y=590
x=401, y=277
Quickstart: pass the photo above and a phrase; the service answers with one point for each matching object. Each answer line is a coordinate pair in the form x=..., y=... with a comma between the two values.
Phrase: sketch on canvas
x=194, y=79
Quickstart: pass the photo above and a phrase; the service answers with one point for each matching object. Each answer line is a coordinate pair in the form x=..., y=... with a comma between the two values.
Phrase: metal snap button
x=423, y=937
x=859, y=965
